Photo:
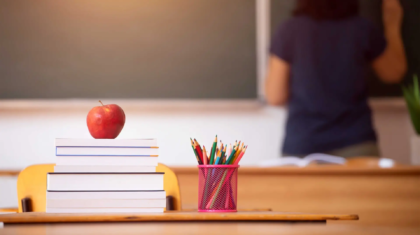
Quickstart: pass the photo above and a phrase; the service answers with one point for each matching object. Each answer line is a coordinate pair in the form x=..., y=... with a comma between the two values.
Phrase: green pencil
x=213, y=151
x=222, y=156
x=232, y=154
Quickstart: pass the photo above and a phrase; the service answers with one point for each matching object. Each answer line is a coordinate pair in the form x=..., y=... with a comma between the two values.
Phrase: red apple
x=106, y=121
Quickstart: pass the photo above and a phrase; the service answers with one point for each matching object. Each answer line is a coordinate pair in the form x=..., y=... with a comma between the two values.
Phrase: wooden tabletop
x=198, y=228
x=42, y=217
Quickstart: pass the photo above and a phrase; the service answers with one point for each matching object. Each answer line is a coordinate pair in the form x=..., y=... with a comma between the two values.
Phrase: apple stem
x=101, y=103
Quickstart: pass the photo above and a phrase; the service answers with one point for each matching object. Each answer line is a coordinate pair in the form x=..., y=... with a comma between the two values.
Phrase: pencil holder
x=217, y=188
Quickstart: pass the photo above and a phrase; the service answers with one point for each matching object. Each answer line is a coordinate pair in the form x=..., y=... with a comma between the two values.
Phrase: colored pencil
x=213, y=151
x=199, y=150
x=211, y=162
x=218, y=157
x=221, y=183
x=205, y=159
x=228, y=161
x=241, y=155
x=223, y=156
x=229, y=150
x=238, y=152
x=195, y=152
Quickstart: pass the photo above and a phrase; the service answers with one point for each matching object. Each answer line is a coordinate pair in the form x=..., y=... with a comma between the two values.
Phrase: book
x=107, y=151
x=106, y=203
x=114, y=168
x=84, y=195
x=106, y=161
x=106, y=142
x=104, y=210
x=104, y=181
x=302, y=162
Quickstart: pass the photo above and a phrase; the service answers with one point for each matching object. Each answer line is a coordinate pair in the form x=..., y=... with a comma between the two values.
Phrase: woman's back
x=328, y=94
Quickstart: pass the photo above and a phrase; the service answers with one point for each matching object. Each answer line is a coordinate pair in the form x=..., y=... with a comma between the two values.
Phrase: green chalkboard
x=193, y=49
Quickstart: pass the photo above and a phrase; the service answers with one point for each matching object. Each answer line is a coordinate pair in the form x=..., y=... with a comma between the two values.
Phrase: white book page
x=302, y=162
x=325, y=158
x=285, y=161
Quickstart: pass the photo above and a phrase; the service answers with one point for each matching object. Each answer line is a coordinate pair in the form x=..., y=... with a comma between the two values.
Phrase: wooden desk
x=379, y=196
x=173, y=216
x=260, y=228
x=9, y=172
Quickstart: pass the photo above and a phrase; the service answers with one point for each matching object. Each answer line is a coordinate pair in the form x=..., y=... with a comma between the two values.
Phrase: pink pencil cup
x=217, y=188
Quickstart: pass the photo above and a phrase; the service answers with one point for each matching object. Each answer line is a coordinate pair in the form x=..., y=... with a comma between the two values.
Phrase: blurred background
x=179, y=69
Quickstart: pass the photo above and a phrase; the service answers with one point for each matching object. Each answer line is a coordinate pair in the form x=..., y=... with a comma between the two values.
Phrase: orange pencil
x=239, y=151
x=218, y=154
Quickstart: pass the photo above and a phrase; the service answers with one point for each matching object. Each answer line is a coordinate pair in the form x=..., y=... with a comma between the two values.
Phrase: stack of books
x=105, y=175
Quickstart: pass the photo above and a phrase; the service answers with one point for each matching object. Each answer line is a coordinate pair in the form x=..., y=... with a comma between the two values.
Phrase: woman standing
x=317, y=67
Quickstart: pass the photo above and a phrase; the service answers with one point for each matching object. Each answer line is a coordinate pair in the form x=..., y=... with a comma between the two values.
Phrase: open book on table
x=319, y=158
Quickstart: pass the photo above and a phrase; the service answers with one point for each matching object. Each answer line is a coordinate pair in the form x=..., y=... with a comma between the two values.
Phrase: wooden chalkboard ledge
x=255, y=216
x=136, y=104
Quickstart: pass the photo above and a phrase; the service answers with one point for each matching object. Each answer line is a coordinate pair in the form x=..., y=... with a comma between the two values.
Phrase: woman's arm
x=391, y=66
x=277, y=82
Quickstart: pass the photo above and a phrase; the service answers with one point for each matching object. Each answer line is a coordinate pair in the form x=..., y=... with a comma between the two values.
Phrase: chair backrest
x=32, y=183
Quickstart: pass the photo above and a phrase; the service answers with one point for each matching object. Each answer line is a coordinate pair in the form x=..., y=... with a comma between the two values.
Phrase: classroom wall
x=28, y=134
x=28, y=130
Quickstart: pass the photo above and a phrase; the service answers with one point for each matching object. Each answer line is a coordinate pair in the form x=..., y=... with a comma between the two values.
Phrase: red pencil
x=199, y=151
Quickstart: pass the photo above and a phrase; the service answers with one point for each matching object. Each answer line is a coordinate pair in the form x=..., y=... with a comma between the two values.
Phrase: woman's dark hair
x=327, y=9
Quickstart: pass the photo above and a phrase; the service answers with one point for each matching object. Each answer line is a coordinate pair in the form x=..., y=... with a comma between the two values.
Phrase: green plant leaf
x=416, y=88
x=412, y=97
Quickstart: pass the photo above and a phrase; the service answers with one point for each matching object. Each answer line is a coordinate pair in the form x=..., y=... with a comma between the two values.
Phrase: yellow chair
x=32, y=183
